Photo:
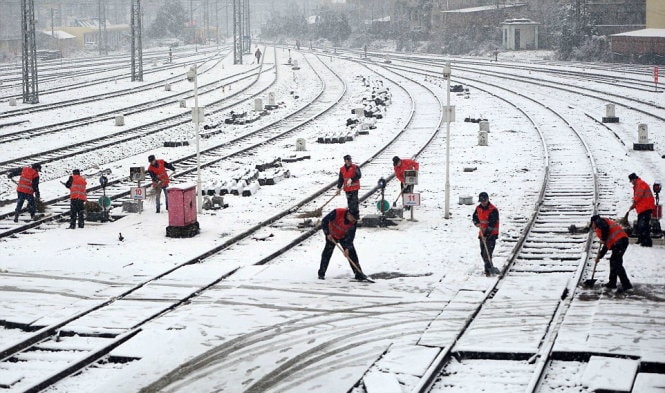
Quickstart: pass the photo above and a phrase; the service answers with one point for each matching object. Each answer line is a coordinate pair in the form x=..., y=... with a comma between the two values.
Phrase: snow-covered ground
x=276, y=327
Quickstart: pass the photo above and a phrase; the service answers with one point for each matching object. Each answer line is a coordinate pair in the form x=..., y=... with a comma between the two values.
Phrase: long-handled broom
x=316, y=212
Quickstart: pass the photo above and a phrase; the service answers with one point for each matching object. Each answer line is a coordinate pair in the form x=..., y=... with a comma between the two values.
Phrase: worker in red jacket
x=77, y=197
x=27, y=188
x=160, y=178
x=339, y=226
x=404, y=164
x=612, y=237
x=486, y=218
x=643, y=203
x=349, y=181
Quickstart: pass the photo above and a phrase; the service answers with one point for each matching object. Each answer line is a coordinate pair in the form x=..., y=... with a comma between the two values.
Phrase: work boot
x=322, y=277
x=71, y=226
x=15, y=217
x=361, y=276
x=609, y=286
x=32, y=216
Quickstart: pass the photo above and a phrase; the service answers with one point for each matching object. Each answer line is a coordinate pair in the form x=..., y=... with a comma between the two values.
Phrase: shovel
x=316, y=212
x=356, y=267
x=400, y=194
x=592, y=281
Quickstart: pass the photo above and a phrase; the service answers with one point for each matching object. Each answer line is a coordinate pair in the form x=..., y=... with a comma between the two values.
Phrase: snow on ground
x=420, y=265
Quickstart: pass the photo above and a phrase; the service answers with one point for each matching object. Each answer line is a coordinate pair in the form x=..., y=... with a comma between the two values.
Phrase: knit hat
x=396, y=160
x=151, y=158
x=594, y=218
x=37, y=166
x=76, y=172
x=632, y=176
x=347, y=157
x=482, y=197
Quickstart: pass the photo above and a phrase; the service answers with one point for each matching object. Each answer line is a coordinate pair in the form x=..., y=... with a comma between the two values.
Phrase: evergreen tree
x=170, y=21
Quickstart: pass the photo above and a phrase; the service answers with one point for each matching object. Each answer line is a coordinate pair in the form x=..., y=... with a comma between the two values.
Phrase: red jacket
x=642, y=197
x=337, y=227
x=350, y=173
x=405, y=165
x=28, y=175
x=614, y=233
x=488, y=219
x=77, y=189
x=160, y=173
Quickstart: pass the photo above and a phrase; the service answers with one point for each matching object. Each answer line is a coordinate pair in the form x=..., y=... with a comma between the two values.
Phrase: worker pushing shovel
x=339, y=228
x=486, y=218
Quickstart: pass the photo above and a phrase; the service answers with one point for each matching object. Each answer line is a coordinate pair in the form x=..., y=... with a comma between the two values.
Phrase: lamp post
x=197, y=117
x=448, y=114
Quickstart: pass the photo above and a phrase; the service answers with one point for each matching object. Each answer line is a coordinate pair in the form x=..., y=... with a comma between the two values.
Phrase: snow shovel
x=355, y=266
x=400, y=194
x=495, y=270
x=592, y=281
x=316, y=212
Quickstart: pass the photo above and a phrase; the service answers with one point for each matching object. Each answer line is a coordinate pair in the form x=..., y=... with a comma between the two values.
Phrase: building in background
x=645, y=45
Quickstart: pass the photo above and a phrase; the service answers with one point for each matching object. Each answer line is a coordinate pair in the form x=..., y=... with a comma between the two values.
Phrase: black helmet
x=76, y=172
x=396, y=160
x=37, y=166
x=151, y=158
x=632, y=176
x=347, y=158
x=594, y=218
x=482, y=197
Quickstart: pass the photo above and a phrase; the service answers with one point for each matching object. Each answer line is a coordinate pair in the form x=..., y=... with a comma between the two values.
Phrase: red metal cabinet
x=182, y=205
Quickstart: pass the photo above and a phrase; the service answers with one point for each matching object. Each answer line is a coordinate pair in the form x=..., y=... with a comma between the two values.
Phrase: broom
x=316, y=212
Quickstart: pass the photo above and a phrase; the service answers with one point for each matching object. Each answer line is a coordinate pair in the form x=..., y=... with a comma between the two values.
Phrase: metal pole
x=199, y=190
x=446, y=75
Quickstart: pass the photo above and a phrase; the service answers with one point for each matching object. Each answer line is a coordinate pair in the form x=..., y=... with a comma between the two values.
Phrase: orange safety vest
x=405, y=165
x=642, y=196
x=614, y=234
x=337, y=227
x=349, y=173
x=77, y=189
x=25, y=182
x=160, y=172
x=484, y=219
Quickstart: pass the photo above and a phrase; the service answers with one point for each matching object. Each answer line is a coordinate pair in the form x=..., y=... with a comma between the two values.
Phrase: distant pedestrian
x=349, y=180
x=257, y=54
x=77, y=197
x=612, y=237
x=399, y=166
x=486, y=218
x=339, y=226
x=643, y=203
x=160, y=179
x=27, y=188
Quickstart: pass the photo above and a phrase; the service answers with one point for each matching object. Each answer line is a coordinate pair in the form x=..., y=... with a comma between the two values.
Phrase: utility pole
x=137, y=43
x=30, y=85
x=237, y=31
x=101, y=42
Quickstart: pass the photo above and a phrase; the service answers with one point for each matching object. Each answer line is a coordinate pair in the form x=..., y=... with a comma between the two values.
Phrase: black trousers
x=77, y=209
x=616, y=264
x=327, y=253
x=644, y=229
x=490, y=241
x=352, y=200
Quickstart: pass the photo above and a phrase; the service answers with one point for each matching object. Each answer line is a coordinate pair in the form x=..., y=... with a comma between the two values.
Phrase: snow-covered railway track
x=145, y=293
x=544, y=268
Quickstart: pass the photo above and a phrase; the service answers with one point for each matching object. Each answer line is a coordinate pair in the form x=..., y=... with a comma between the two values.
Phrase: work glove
x=487, y=233
x=338, y=191
x=38, y=195
x=9, y=176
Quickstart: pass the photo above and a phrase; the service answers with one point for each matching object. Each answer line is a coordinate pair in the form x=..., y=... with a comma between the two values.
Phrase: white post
x=199, y=198
x=192, y=76
x=446, y=76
